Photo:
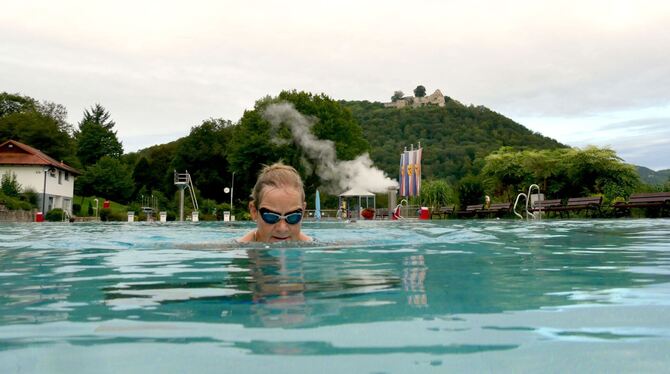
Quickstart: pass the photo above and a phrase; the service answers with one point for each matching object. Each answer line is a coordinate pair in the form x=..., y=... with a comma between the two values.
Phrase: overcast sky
x=582, y=72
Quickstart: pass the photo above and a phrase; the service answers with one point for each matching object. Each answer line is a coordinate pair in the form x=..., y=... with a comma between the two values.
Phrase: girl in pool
x=277, y=205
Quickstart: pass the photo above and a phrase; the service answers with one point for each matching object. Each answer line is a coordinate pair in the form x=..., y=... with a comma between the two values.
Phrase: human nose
x=282, y=224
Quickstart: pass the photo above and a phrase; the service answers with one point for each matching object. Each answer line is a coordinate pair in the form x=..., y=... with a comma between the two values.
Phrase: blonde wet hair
x=276, y=175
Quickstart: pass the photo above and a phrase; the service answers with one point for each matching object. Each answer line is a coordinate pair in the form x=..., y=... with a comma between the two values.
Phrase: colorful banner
x=402, y=180
x=410, y=172
x=411, y=191
x=417, y=171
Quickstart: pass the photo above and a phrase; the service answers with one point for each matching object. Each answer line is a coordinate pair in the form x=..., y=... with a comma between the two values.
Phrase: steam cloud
x=338, y=176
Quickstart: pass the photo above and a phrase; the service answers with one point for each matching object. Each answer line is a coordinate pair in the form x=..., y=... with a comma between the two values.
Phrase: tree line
x=469, y=151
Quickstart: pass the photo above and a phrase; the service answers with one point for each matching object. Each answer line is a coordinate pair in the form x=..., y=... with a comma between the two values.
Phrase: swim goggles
x=271, y=217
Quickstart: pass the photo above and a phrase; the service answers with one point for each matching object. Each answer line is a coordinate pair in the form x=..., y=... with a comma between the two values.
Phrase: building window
x=67, y=175
x=60, y=177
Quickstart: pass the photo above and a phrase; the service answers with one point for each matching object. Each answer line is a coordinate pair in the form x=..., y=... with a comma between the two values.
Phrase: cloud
x=164, y=67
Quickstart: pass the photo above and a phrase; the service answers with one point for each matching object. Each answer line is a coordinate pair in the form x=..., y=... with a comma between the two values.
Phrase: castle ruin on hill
x=436, y=98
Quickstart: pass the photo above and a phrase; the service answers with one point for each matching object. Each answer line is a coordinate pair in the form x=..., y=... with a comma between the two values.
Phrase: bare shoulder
x=305, y=238
x=247, y=238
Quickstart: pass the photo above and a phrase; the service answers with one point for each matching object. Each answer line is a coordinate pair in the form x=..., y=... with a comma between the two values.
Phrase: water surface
x=367, y=297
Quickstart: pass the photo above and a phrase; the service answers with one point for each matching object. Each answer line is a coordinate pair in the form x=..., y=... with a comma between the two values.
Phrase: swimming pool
x=368, y=297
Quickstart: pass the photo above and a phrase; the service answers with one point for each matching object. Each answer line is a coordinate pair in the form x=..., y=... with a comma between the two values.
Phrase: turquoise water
x=368, y=297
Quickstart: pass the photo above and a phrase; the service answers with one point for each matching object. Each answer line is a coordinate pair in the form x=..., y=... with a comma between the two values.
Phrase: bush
x=207, y=217
x=105, y=214
x=9, y=185
x=13, y=203
x=30, y=196
x=470, y=191
x=76, y=208
x=54, y=215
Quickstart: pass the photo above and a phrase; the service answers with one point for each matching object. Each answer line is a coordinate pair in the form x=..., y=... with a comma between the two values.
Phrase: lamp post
x=227, y=190
x=44, y=188
x=232, y=183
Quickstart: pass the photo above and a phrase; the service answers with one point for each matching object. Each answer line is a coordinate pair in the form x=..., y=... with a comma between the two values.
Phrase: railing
x=528, y=212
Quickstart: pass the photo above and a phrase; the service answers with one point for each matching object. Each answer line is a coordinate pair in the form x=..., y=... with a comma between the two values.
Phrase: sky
x=582, y=72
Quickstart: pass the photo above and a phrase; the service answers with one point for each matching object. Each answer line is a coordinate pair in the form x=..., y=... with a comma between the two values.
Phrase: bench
x=547, y=205
x=497, y=209
x=443, y=211
x=581, y=203
x=551, y=205
x=470, y=210
x=644, y=200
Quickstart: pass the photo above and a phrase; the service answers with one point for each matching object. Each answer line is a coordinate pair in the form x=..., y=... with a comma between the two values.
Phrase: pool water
x=367, y=297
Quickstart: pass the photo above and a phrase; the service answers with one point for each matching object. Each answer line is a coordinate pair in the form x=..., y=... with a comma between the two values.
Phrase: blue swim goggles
x=271, y=217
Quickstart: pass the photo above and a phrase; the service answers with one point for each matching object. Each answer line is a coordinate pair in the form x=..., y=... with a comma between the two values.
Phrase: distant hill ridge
x=653, y=177
x=455, y=137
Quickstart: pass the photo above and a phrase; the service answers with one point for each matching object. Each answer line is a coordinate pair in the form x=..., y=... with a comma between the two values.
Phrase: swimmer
x=277, y=205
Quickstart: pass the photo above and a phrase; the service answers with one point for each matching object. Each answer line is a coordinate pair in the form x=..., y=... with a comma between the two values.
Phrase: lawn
x=84, y=201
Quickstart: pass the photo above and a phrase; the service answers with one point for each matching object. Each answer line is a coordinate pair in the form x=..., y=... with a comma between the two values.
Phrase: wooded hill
x=653, y=177
x=455, y=137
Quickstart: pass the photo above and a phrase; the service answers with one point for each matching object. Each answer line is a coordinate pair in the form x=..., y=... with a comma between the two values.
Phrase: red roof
x=17, y=153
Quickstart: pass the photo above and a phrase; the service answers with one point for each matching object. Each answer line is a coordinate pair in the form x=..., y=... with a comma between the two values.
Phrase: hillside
x=653, y=177
x=454, y=137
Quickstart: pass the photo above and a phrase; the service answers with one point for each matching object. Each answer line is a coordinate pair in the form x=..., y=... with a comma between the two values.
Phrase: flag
x=405, y=180
x=411, y=191
x=410, y=172
x=417, y=171
x=403, y=174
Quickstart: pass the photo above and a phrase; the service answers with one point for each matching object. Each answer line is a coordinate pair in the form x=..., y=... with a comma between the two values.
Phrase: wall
x=16, y=216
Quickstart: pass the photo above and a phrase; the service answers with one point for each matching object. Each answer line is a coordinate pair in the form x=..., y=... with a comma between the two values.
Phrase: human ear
x=253, y=211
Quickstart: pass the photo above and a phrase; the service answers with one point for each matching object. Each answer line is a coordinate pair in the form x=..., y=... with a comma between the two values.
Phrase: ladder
x=529, y=214
x=184, y=181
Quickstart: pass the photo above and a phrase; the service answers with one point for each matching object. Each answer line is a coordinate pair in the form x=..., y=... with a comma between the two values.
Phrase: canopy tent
x=356, y=195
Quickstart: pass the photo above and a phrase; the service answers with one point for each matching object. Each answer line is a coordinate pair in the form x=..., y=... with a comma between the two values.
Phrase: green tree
x=594, y=170
x=15, y=103
x=9, y=185
x=142, y=175
x=436, y=193
x=397, y=95
x=561, y=173
x=41, y=132
x=204, y=154
x=470, y=191
x=420, y=91
x=96, y=138
x=108, y=178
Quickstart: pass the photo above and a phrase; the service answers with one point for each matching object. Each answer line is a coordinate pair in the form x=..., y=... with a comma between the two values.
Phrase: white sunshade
x=356, y=192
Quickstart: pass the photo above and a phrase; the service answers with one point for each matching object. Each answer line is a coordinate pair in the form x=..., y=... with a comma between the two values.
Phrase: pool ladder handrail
x=66, y=216
x=529, y=214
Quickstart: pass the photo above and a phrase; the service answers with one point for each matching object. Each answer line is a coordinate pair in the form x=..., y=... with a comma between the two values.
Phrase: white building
x=53, y=181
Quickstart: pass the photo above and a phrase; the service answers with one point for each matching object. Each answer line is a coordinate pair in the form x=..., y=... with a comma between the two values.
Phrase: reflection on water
x=415, y=291
x=278, y=286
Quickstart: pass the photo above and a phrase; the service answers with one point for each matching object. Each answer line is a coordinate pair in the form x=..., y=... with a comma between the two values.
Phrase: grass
x=84, y=201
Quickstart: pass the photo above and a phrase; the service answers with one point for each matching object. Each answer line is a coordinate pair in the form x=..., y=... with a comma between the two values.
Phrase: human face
x=281, y=201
